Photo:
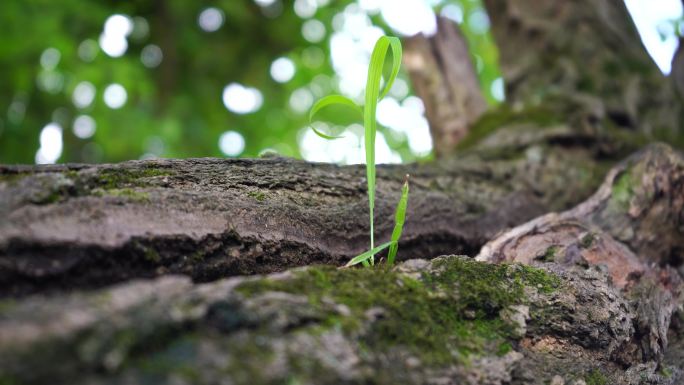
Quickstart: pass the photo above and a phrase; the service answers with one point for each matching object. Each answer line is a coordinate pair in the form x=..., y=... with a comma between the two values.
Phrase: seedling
x=373, y=96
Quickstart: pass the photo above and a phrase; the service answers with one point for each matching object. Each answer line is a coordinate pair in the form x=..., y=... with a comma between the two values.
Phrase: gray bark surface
x=602, y=306
x=71, y=226
x=214, y=271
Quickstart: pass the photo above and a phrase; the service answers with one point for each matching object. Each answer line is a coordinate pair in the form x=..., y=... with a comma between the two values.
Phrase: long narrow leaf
x=399, y=218
x=395, y=45
x=368, y=254
x=327, y=101
x=371, y=102
x=372, y=97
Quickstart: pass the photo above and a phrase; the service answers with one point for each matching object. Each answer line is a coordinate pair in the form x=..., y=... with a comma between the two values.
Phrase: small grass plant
x=368, y=112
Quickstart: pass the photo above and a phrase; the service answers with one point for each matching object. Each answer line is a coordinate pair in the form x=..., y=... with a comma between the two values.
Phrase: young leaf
x=399, y=217
x=327, y=101
x=395, y=45
x=368, y=254
x=325, y=136
x=371, y=102
x=372, y=97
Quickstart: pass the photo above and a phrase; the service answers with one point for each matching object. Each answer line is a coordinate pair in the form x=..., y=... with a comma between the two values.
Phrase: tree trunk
x=444, y=77
x=544, y=181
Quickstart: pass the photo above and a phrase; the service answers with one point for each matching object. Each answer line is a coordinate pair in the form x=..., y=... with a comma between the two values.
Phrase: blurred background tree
x=106, y=81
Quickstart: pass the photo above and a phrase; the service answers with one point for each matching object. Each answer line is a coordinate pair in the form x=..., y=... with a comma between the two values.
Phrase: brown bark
x=443, y=75
x=597, y=313
x=604, y=308
x=615, y=230
x=86, y=226
x=585, y=52
x=677, y=73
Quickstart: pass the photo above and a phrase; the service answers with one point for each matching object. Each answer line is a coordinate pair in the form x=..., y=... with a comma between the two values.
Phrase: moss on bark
x=451, y=313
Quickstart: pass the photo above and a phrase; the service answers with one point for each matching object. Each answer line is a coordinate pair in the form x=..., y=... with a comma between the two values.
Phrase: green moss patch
x=588, y=240
x=108, y=182
x=441, y=317
x=505, y=116
x=13, y=177
x=549, y=255
x=130, y=194
x=622, y=190
x=595, y=377
x=113, y=178
x=258, y=195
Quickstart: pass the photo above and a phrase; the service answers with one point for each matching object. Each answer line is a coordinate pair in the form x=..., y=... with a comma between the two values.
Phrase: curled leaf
x=327, y=101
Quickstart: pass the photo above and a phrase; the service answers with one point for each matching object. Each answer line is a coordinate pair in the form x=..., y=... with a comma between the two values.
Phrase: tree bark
x=586, y=52
x=444, y=77
x=592, y=311
x=71, y=226
x=602, y=302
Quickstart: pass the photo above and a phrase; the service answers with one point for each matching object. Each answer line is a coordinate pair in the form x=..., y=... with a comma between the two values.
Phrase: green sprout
x=373, y=96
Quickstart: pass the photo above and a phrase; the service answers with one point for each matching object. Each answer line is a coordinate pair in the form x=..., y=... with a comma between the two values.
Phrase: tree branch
x=91, y=225
x=443, y=76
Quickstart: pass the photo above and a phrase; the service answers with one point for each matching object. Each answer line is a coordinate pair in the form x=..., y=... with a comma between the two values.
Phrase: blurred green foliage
x=174, y=109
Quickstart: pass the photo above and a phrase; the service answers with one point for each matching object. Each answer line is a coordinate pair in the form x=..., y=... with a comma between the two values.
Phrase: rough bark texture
x=587, y=52
x=592, y=311
x=443, y=76
x=427, y=322
x=613, y=230
x=85, y=226
x=119, y=274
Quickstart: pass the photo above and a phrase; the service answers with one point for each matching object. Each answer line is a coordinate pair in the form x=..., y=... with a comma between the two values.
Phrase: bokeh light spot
x=50, y=58
x=453, y=12
x=497, y=89
x=412, y=17
x=118, y=25
x=210, y=19
x=113, y=39
x=301, y=100
x=370, y=6
x=242, y=100
x=50, y=144
x=84, y=126
x=115, y=96
x=282, y=70
x=141, y=28
x=313, y=31
x=50, y=81
x=231, y=143
x=305, y=8
x=83, y=95
x=113, y=45
x=151, y=56
x=479, y=21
